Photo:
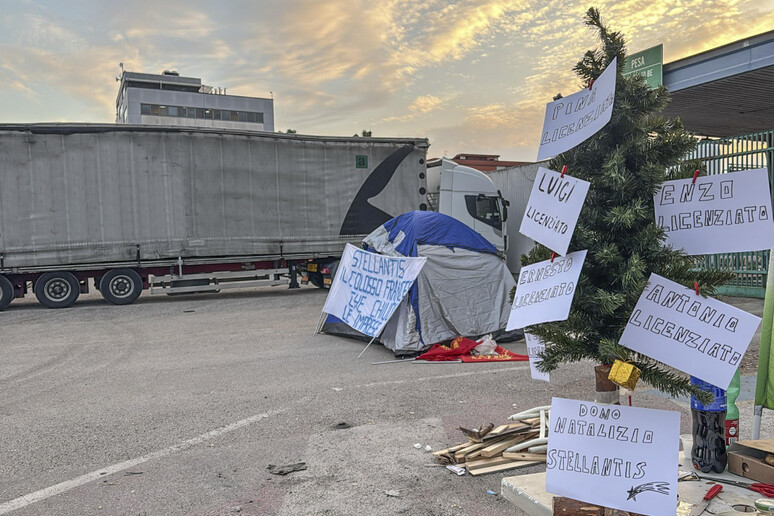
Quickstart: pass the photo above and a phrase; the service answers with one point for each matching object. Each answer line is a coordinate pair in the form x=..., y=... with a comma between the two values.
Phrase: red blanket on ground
x=460, y=348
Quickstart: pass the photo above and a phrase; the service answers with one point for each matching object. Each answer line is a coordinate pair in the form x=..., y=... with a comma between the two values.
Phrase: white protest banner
x=571, y=120
x=724, y=213
x=553, y=209
x=535, y=346
x=368, y=288
x=698, y=335
x=545, y=291
x=615, y=456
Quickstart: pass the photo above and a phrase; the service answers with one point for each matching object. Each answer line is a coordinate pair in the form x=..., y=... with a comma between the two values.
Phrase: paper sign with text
x=699, y=335
x=553, y=209
x=545, y=290
x=368, y=287
x=535, y=346
x=615, y=456
x=724, y=213
x=571, y=120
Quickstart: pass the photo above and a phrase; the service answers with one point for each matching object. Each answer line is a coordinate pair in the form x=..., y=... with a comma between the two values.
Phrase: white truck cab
x=471, y=197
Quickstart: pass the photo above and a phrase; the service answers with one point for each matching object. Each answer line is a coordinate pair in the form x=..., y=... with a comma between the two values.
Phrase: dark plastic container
x=709, y=429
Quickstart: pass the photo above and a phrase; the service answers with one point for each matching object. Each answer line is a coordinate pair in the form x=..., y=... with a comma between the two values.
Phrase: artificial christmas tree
x=625, y=163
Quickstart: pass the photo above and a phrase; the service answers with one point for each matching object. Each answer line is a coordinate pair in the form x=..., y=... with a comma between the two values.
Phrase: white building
x=168, y=99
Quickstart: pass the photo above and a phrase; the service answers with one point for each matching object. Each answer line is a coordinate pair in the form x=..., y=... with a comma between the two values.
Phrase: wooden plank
x=525, y=456
x=451, y=449
x=569, y=507
x=508, y=430
x=498, y=447
x=459, y=455
x=503, y=467
x=484, y=463
x=494, y=449
x=496, y=430
x=473, y=455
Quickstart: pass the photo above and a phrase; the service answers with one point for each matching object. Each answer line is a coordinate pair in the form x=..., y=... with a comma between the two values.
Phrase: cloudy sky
x=471, y=75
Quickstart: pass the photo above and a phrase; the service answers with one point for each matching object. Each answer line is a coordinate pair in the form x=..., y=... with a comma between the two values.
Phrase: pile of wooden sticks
x=489, y=449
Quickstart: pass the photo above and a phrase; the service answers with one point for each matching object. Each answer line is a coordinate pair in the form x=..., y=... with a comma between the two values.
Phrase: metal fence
x=748, y=151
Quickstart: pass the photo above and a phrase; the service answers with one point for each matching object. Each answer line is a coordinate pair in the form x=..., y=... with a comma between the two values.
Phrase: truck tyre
x=6, y=292
x=120, y=286
x=57, y=289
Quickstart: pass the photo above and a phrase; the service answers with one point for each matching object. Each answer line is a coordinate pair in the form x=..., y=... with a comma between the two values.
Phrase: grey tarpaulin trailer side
x=212, y=207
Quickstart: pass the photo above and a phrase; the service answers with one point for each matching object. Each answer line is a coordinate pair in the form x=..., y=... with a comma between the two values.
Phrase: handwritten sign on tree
x=368, y=288
x=615, y=456
x=545, y=291
x=535, y=346
x=701, y=336
x=722, y=213
x=553, y=209
x=571, y=120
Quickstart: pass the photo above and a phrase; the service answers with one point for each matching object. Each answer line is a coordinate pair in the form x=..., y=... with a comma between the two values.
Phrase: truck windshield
x=486, y=209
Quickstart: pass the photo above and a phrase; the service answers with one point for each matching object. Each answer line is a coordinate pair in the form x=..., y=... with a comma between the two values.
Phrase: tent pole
x=369, y=344
x=320, y=324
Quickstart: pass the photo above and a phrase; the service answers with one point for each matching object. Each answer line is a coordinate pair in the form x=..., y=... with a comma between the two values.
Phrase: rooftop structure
x=169, y=99
x=724, y=91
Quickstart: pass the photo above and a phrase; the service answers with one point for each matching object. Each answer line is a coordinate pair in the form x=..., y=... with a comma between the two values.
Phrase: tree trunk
x=606, y=391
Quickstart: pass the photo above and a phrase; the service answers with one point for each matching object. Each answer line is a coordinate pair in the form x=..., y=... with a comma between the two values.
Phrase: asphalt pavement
x=179, y=405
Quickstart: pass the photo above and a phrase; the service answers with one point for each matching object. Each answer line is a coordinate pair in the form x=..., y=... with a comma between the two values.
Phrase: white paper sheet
x=614, y=456
x=545, y=290
x=535, y=346
x=701, y=336
x=368, y=288
x=722, y=213
x=553, y=209
x=571, y=120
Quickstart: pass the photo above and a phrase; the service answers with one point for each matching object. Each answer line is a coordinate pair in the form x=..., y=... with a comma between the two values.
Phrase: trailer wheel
x=6, y=292
x=57, y=289
x=120, y=286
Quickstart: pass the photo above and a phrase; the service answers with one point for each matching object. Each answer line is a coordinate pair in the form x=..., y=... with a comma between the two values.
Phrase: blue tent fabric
x=462, y=290
x=432, y=228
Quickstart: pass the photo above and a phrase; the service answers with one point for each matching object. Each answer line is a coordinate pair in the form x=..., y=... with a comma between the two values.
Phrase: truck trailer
x=179, y=209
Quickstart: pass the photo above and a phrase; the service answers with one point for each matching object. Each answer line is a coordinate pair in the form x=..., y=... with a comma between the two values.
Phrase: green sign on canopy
x=649, y=63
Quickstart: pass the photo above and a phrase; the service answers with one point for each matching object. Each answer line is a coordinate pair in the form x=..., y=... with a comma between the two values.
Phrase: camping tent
x=463, y=288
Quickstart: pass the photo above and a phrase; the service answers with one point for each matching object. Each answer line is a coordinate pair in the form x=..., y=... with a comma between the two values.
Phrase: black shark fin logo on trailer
x=363, y=217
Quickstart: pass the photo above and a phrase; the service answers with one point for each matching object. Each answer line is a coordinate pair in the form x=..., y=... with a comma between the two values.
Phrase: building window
x=250, y=117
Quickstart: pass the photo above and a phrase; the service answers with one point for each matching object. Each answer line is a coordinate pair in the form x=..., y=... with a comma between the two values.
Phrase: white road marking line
x=442, y=377
x=62, y=487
